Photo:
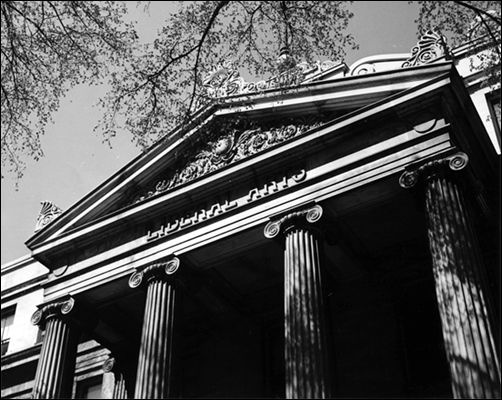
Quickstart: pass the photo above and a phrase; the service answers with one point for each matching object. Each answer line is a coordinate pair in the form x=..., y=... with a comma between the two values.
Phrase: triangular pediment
x=227, y=133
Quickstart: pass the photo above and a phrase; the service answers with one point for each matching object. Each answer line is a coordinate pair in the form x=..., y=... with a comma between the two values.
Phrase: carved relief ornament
x=109, y=364
x=55, y=309
x=454, y=162
x=192, y=218
x=309, y=215
x=48, y=213
x=431, y=46
x=158, y=270
x=227, y=149
x=224, y=79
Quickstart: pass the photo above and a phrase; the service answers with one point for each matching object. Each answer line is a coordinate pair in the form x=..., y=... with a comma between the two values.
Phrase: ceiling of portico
x=372, y=230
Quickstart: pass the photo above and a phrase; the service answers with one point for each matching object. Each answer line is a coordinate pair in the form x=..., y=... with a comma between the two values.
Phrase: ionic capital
x=159, y=270
x=110, y=364
x=301, y=217
x=57, y=309
x=453, y=162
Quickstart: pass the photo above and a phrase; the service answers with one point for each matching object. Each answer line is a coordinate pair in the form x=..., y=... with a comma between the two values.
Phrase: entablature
x=335, y=97
x=274, y=171
x=241, y=221
x=204, y=193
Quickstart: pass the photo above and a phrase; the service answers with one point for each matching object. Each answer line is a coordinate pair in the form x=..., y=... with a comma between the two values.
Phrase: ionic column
x=154, y=363
x=119, y=389
x=459, y=279
x=56, y=365
x=305, y=331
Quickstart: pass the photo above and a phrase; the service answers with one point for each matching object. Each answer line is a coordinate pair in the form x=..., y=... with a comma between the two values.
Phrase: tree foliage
x=50, y=46
x=465, y=21
x=47, y=47
x=160, y=88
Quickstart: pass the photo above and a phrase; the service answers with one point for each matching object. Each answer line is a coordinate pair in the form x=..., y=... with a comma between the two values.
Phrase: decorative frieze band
x=58, y=308
x=162, y=270
x=225, y=149
x=224, y=79
x=310, y=215
x=454, y=162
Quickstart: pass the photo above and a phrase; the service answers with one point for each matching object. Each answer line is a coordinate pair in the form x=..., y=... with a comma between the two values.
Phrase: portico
x=174, y=257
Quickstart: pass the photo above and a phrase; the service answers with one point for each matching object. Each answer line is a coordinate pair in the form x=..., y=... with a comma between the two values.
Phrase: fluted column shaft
x=119, y=389
x=56, y=365
x=306, y=364
x=460, y=284
x=305, y=329
x=154, y=363
x=155, y=356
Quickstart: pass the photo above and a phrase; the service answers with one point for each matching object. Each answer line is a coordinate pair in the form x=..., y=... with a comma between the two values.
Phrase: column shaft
x=119, y=387
x=56, y=366
x=154, y=364
x=305, y=347
x=114, y=380
x=459, y=280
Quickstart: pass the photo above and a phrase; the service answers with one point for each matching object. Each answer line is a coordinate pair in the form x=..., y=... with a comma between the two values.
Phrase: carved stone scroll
x=431, y=46
x=226, y=149
x=311, y=215
x=48, y=213
x=224, y=79
x=119, y=389
x=55, y=309
x=454, y=162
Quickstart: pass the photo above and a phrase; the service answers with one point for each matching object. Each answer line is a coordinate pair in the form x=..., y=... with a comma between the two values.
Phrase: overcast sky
x=76, y=161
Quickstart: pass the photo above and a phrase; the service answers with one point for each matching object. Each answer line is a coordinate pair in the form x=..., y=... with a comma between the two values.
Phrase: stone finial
x=224, y=79
x=285, y=61
x=430, y=47
x=48, y=213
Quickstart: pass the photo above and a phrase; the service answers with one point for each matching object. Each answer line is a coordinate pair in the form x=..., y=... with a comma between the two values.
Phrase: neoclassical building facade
x=330, y=232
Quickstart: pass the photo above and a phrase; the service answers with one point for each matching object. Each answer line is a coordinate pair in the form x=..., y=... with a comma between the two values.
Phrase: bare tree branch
x=479, y=11
x=48, y=47
x=215, y=13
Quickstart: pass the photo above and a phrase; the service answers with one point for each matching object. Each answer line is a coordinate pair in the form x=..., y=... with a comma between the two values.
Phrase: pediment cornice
x=224, y=146
x=317, y=98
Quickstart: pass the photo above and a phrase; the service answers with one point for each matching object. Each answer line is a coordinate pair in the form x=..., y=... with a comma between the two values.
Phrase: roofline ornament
x=223, y=150
x=430, y=47
x=48, y=213
x=224, y=79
